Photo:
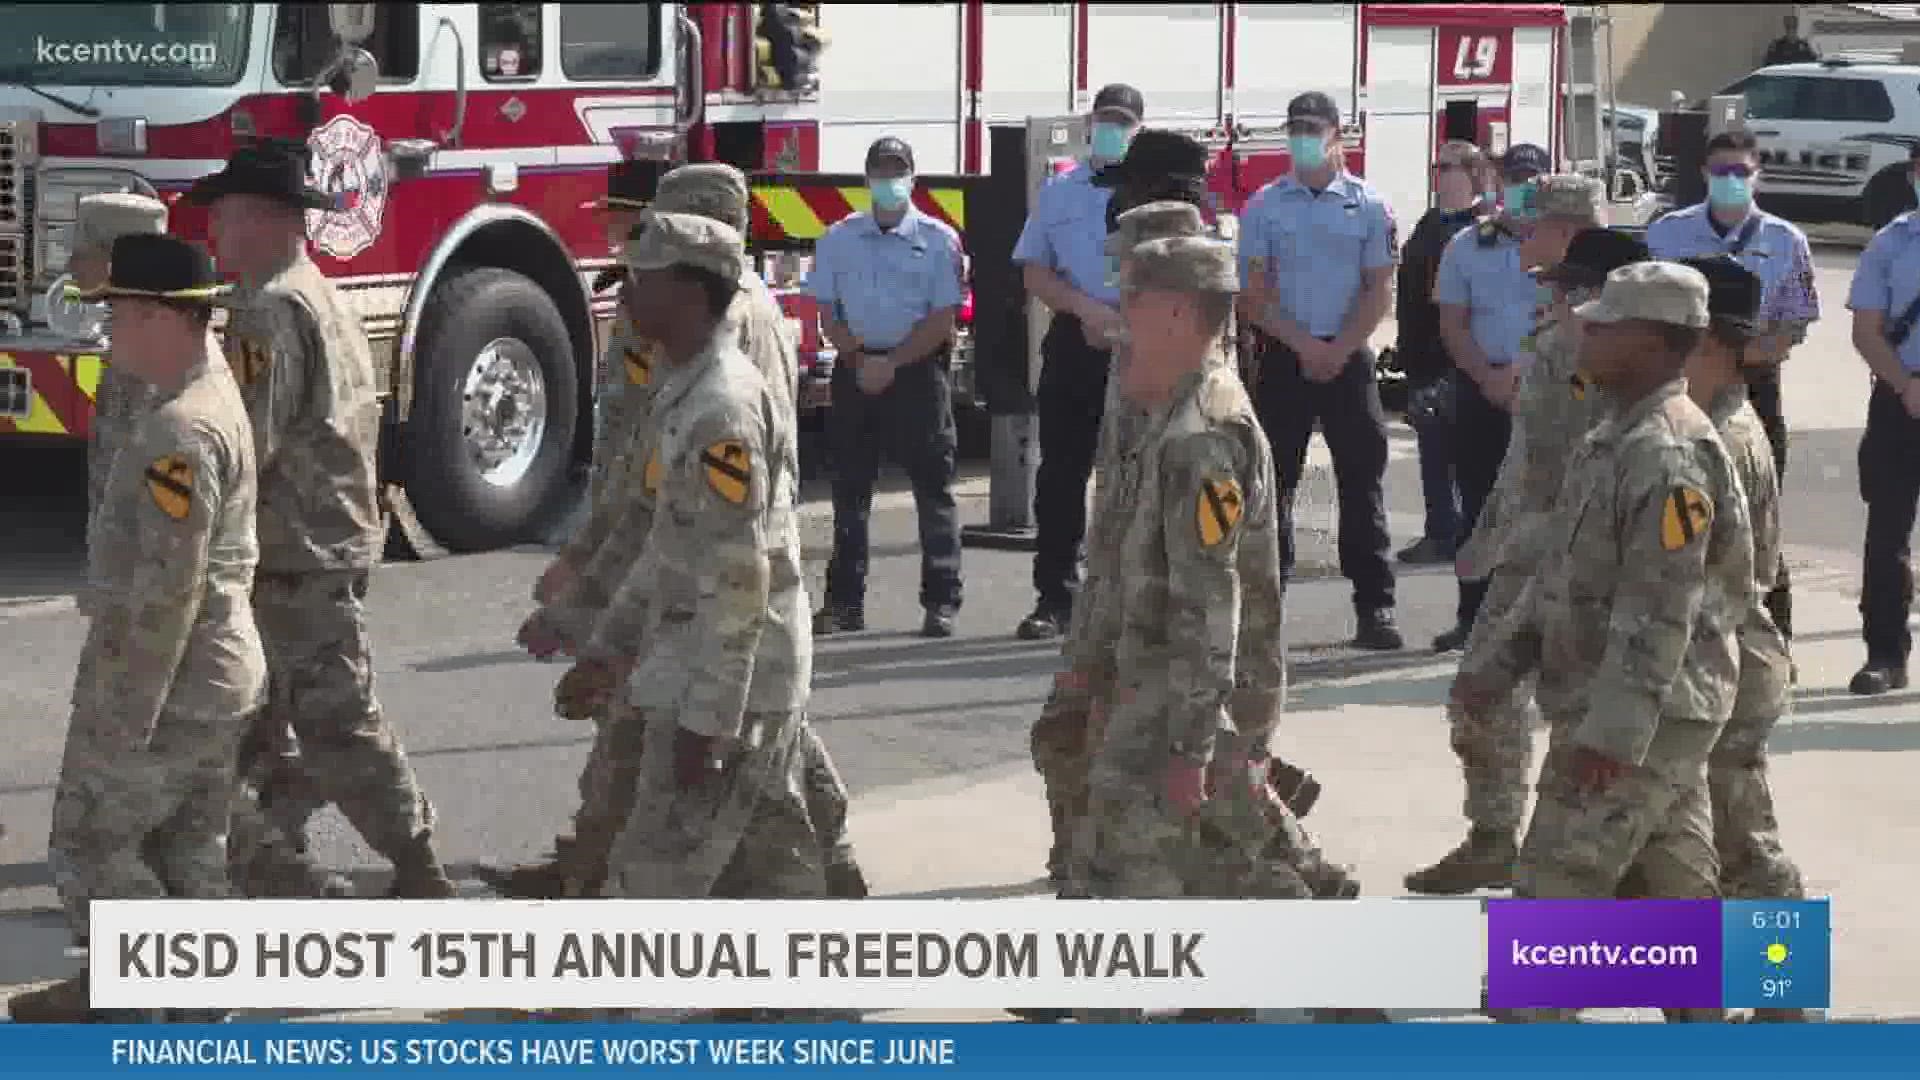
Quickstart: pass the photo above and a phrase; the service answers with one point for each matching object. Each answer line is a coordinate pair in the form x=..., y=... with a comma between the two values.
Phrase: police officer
x=302, y=360
x=145, y=784
x=1317, y=250
x=1459, y=172
x=888, y=281
x=1062, y=250
x=1885, y=299
x=1729, y=223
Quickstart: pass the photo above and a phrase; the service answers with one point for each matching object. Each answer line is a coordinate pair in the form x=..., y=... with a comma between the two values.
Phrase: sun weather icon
x=1777, y=954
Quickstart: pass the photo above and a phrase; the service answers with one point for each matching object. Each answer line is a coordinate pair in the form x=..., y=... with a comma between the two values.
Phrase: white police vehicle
x=1833, y=138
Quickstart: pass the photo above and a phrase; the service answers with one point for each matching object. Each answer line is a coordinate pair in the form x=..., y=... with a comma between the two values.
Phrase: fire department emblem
x=350, y=166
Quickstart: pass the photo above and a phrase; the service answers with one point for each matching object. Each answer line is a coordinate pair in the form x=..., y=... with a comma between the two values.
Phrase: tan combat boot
x=1483, y=861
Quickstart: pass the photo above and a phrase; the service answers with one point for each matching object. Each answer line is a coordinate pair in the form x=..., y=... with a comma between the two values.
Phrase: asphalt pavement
x=932, y=735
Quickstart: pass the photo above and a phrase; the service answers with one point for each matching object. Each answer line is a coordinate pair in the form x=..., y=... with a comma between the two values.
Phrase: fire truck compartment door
x=1400, y=117
x=1530, y=117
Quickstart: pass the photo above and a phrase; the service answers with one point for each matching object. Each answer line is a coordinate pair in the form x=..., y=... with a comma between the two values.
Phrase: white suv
x=1833, y=138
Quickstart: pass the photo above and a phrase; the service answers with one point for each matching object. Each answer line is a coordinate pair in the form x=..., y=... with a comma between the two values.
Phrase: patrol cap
x=1663, y=292
x=710, y=189
x=889, y=148
x=1524, y=161
x=1314, y=107
x=1158, y=157
x=106, y=218
x=1565, y=195
x=1592, y=255
x=1181, y=264
x=1120, y=98
x=671, y=239
x=1733, y=292
x=1154, y=221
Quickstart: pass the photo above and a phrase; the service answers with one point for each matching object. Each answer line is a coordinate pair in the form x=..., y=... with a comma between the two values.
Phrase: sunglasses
x=1742, y=171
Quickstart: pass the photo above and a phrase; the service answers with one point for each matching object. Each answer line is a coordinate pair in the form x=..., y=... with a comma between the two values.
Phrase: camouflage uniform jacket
x=173, y=559
x=626, y=381
x=723, y=622
x=1632, y=618
x=1195, y=635
x=308, y=378
x=627, y=505
x=1765, y=665
x=1553, y=410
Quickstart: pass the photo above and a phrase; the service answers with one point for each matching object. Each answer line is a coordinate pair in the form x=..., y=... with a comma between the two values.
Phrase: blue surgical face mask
x=1309, y=151
x=1110, y=141
x=890, y=193
x=1519, y=202
x=1729, y=191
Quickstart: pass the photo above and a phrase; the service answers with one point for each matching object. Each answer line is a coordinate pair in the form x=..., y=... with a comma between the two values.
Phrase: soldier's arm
x=182, y=484
x=1505, y=650
x=712, y=578
x=1260, y=672
x=590, y=602
x=1664, y=527
x=1203, y=487
x=272, y=349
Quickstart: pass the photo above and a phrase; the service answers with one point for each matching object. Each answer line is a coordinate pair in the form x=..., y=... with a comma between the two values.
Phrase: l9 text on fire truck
x=462, y=141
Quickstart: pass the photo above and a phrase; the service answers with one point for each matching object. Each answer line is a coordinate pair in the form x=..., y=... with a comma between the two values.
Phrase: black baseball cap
x=1592, y=255
x=1315, y=106
x=1119, y=97
x=1733, y=291
x=889, y=148
x=1525, y=161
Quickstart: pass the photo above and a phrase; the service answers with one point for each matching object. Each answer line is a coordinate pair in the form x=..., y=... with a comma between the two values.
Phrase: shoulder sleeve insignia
x=1579, y=385
x=650, y=476
x=1685, y=518
x=170, y=482
x=1217, y=510
x=250, y=358
x=729, y=468
x=639, y=362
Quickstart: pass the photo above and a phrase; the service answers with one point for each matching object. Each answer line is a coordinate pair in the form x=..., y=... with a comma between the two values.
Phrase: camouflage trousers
x=139, y=816
x=607, y=784
x=320, y=680
x=1650, y=834
x=1061, y=744
x=744, y=833
x=1495, y=748
x=1753, y=865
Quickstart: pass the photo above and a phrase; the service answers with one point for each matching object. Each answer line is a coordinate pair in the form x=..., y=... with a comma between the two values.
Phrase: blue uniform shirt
x=882, y=283
x=1777, y=253
x=1499, y=293
x=1315, y=247
x=1067, y=233
x=1888, y=279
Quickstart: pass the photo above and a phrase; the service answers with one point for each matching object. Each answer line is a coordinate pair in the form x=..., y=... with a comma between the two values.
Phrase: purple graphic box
x=1603, y=954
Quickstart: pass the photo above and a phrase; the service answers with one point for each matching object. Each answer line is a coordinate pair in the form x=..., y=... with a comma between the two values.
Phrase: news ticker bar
x=959, y=954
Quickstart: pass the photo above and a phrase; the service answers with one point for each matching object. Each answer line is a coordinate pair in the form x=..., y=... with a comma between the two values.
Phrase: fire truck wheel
x=493, y=413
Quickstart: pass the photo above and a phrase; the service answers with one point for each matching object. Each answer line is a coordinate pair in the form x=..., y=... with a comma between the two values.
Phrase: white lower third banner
x=732, y=954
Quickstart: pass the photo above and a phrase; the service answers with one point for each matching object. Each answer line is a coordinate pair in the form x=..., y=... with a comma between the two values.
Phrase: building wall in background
x=1693, y=48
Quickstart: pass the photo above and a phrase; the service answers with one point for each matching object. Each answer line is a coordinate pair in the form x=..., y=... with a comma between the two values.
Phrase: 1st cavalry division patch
x=729, y=469
x=650, y=477
x=170, y=482
x=639, y=361
x=1217, y=510
x=1684, y=519
x=248, y=358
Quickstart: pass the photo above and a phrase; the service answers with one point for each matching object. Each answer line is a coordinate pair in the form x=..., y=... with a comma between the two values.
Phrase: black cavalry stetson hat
x=1733, y=291
x=1158, y=157
x=1592, y=255
x=154, y=266
x=271, y=168
x=630, y=185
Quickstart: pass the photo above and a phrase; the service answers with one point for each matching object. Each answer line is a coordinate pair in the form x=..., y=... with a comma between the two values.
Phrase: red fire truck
x=462, y=141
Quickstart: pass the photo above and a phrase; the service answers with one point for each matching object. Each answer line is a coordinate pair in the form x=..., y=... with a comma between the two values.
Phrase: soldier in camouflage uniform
x=1633, y=619
x=1555, y=407
x=312, y=393
x=1752, y=863
x=119, y=398
x=717, y=192
x=714, y=658
x=141, y=807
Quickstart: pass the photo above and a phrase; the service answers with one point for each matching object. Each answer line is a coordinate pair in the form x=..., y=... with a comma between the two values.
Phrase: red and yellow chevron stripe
x=63, y=389
x=802, y=212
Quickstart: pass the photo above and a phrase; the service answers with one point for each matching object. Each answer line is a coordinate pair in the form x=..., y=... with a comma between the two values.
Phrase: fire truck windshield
x=123, y=44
